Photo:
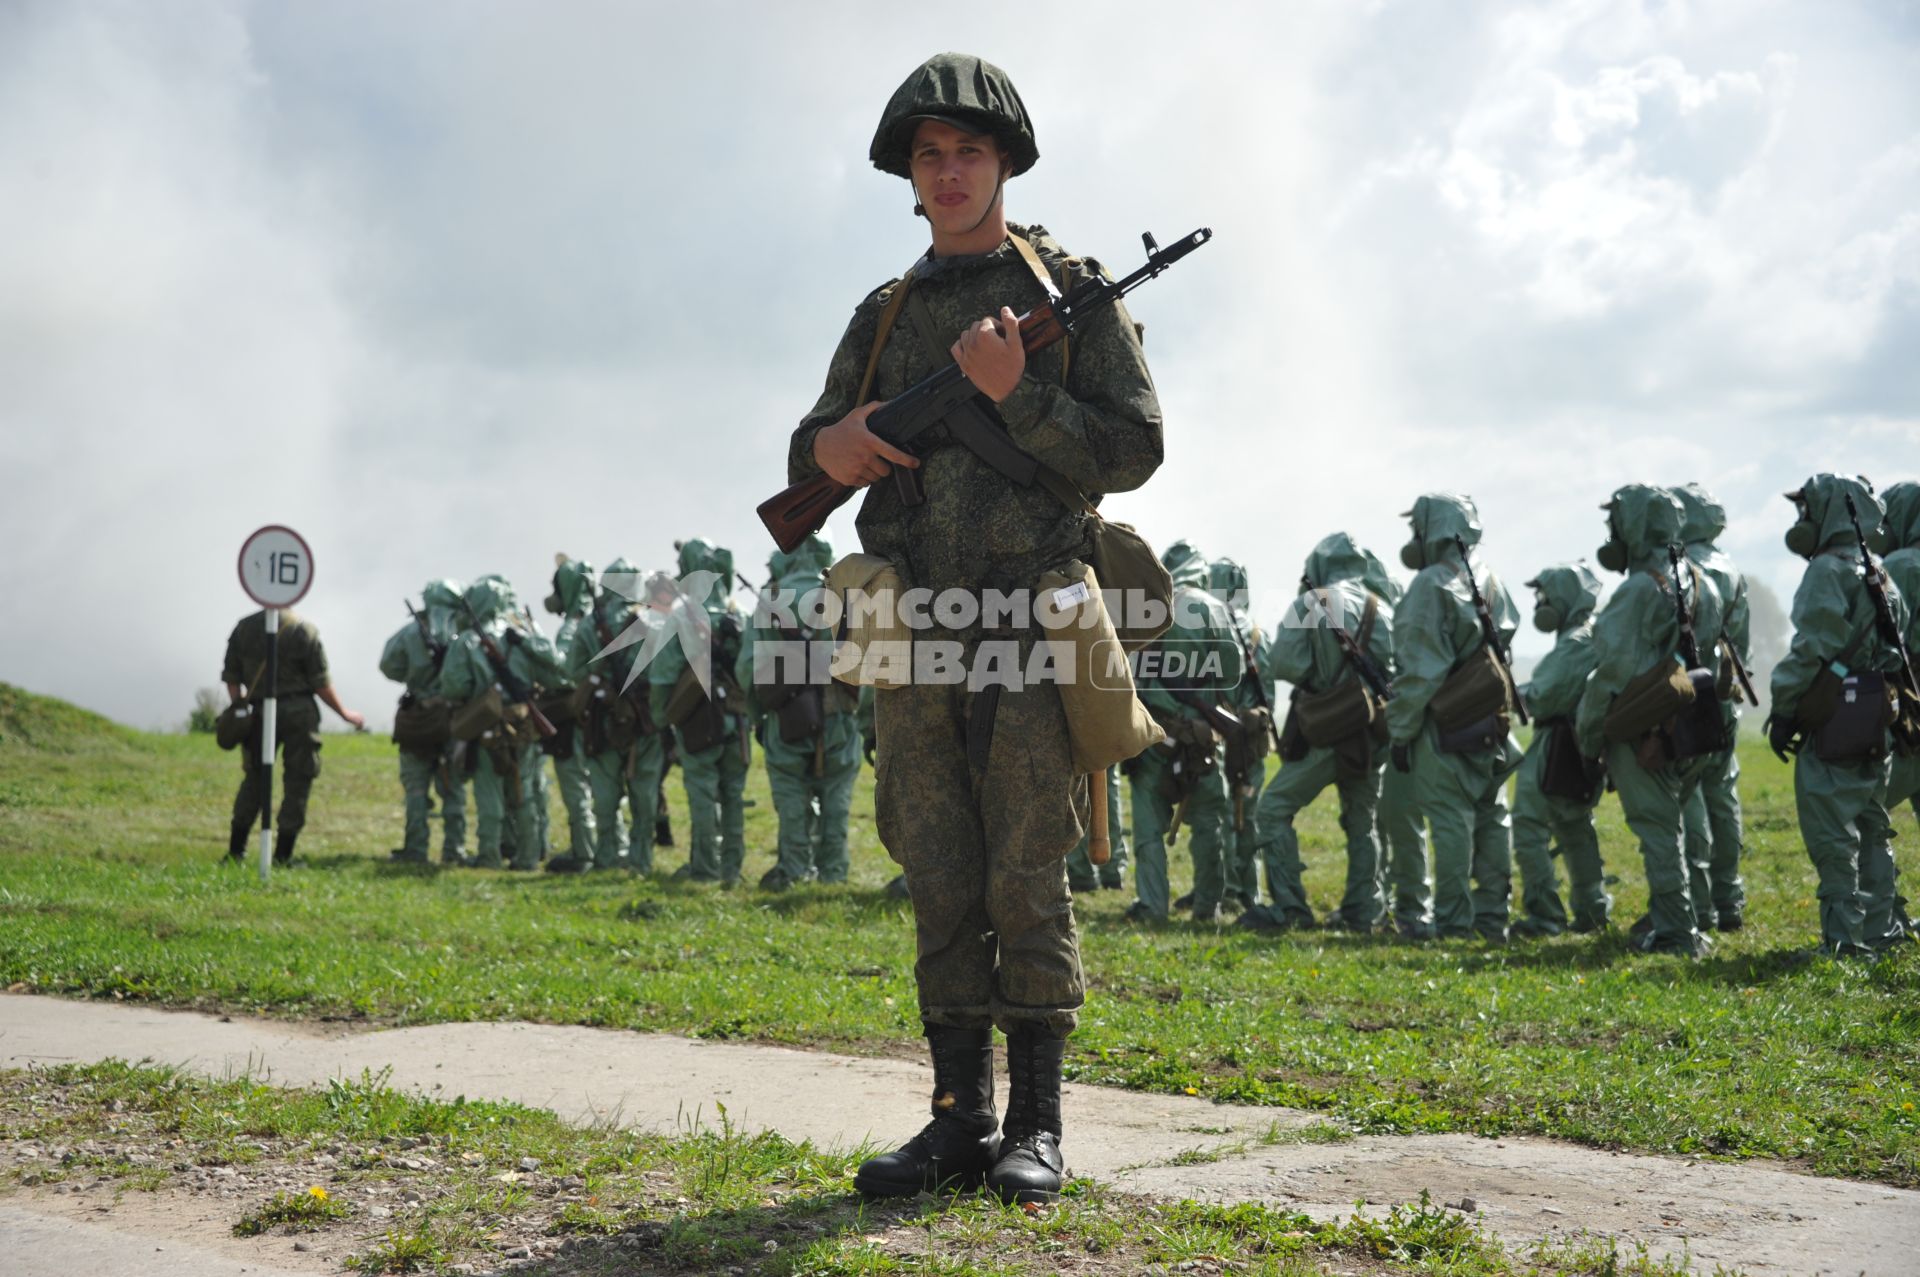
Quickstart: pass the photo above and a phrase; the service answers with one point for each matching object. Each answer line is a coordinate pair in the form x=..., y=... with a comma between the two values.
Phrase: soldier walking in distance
x=976, y=795
x=302, y=677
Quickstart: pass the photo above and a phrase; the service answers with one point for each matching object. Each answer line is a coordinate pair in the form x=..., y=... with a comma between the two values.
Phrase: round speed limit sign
x=276, y=567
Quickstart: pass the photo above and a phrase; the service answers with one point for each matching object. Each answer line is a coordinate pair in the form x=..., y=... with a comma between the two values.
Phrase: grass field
x=397, y=1183
x=111, y=886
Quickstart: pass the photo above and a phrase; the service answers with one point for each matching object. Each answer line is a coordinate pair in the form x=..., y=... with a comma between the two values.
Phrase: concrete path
x=1748, y=1216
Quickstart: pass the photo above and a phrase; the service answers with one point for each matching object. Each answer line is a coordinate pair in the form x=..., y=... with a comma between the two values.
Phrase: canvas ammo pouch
x=1106, y=721
x=1565, y=773
x=516, y=724
x=423, y=724
x=1476, y=689
x=701, y=722
x=873, y=646
x=802, y=716
x=1855, y=727
x=1339, y=714
x=1649, y=700
x=478, y=716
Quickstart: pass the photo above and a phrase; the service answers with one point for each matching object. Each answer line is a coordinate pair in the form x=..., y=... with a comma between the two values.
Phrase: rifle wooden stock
x=1099, y=838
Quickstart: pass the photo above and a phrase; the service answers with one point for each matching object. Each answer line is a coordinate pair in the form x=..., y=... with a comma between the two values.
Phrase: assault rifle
x=1683, y=613
x=1363, y=664
x=948, y=398
x=1260, y=696
x=1490, y=631
x=1887, y=621
x=435, y=648
x=516, y=689
x=1740, y=670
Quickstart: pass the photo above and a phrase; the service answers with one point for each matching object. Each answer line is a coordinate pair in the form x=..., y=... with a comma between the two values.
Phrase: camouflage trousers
x=984, y=850
x=299, y=733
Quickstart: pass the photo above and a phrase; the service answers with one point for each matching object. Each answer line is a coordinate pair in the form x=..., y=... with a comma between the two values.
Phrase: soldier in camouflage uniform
x=301, y=676
x=503, y=786
x=1903, y=565
x=1186, y=775
x=413, y=656
x=976, y=795
x=572, y=601
x=713, y=741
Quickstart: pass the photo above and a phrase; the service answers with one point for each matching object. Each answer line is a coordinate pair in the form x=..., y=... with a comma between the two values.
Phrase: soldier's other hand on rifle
x=853, y=455
x=992, y=354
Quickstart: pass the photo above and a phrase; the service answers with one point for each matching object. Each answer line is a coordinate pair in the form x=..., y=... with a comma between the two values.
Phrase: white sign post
x=276, y=570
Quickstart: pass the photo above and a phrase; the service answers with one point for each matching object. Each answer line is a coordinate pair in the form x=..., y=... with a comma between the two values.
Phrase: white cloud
x=468, y=284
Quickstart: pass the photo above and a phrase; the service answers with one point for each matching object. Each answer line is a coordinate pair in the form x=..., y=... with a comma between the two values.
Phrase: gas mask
x=1612, y=555
x=1413, y=555
x=1547, y=618
x=1803, y=538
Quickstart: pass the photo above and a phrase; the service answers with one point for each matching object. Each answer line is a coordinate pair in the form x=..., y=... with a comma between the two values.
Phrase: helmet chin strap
x=999, y=189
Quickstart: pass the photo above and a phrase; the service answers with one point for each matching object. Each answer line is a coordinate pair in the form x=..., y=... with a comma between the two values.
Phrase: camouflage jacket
x=1101, y=429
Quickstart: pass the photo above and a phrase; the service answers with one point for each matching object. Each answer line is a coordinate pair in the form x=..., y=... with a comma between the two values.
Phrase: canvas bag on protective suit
x=478, y=716
x=873, y=646
x=1106, y=721
x=1345, y=710
x=1856, y=728
x=423, y=723
x=1648, y=700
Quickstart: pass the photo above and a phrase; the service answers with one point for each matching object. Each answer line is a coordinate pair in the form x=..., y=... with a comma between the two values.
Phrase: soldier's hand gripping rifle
x=948, y=398
x=1887, y=621
x=1490, y=631
x=516, y=689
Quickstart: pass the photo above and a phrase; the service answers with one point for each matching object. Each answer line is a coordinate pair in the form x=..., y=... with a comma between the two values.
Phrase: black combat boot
x=1030, y=1167
x=957, y=1148
x=283, y=846
x=237, y=838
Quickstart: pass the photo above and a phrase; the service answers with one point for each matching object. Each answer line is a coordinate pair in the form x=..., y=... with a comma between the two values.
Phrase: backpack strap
x=888, y=314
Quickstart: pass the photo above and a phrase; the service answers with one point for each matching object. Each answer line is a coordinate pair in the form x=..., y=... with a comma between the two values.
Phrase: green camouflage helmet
x=964, y=91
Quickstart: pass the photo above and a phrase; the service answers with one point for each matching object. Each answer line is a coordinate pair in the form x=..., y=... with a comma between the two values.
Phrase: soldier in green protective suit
x=413, y=656
x=1636, y=636
x=1903, y=565
x=1715, y=829
x=623, y=746
x=572, y=601
x=1082, y=874
x=1565, y=596
x=807, y=723
x=711, y=729
x=1840, y=784
x=1246, y=758
x=302, y=682
x=1400, y=827
x=1460, y=775
x=1185, y=777
x=1344, y=747
x=976, y=796
x=503, y=785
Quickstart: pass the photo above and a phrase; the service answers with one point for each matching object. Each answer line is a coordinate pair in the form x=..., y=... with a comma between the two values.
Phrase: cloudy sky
x=449, y=287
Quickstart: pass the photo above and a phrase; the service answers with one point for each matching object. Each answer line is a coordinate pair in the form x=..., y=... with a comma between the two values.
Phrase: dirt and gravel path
x=1754, y=1217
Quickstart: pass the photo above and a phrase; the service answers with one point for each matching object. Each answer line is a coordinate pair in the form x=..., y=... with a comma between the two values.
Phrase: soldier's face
x=955, y=174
